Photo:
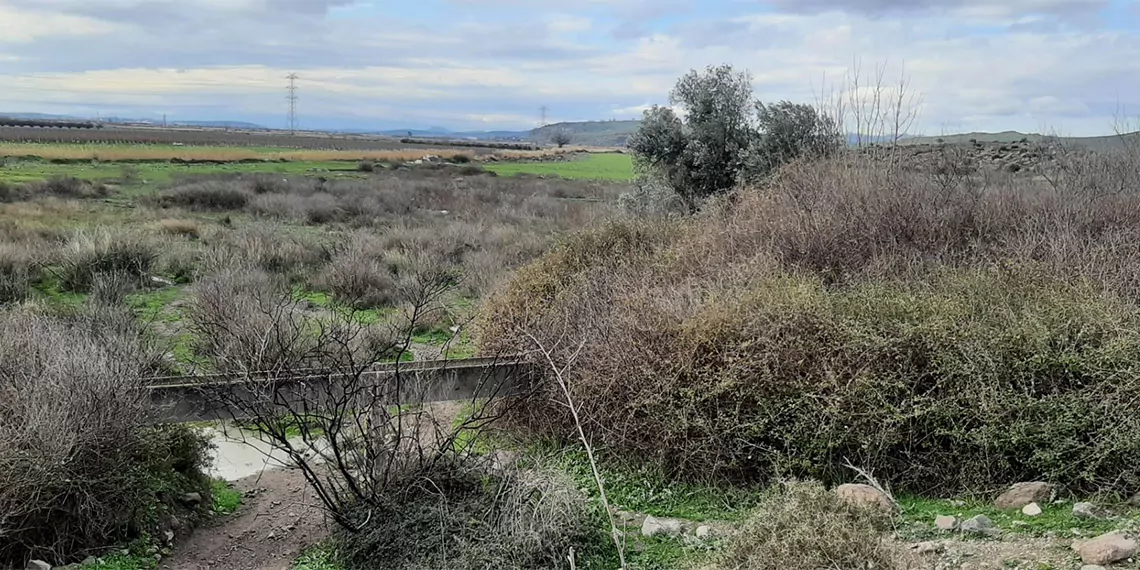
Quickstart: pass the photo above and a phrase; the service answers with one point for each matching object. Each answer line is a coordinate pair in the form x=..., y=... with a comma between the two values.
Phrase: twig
x=559, y=376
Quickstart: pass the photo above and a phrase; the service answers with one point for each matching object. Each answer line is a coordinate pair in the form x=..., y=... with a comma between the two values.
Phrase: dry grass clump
x=18, y=269
x=803, y=525
x=946, y=336
x=179, y=227
x=57, y=186
x=88, y=254
x=454, y=517
x=265, y=247
x=204, y=196
x=79, y=467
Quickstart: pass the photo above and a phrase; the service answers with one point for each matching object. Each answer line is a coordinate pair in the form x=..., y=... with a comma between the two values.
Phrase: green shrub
x=803, y=525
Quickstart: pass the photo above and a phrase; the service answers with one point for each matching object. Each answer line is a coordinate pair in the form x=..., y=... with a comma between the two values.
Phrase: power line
x=292, y=98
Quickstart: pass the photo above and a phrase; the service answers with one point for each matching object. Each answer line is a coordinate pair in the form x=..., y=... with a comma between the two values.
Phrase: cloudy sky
x=1068, y=66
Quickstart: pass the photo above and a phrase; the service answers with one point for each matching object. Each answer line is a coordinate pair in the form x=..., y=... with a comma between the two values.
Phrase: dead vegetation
x=79, y=467
x=803, y=525
x=945, y=332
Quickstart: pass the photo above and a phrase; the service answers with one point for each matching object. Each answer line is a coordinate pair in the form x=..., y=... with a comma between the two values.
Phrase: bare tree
x=311, y=387
x=561, y=137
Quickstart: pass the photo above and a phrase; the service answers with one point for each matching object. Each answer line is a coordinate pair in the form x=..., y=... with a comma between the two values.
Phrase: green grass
x=152, y=175
x=919, y=515
x=320, y=557
x=593, y=167
x=226, y=498
x=125, y=562
x=154, y=305
x=647, y=490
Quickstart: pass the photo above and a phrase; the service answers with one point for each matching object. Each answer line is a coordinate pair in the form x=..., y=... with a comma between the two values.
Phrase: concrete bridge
x=210, y=397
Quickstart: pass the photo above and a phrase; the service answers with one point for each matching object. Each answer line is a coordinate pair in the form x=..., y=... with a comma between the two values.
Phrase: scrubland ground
x=948, y=331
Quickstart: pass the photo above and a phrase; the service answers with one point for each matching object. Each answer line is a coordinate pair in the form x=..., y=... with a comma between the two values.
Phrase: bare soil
x=279, y=519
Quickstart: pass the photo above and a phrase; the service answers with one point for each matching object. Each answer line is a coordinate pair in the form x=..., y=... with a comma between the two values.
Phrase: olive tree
x=703, y=153
x=787, y=131
x=715, y=134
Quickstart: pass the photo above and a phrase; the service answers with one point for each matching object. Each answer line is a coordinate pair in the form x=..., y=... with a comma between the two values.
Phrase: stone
x=1088, y=511
x=1134, y=501
x=192, y=499
x=865, y=496
x=929, y=547
x=946, y=523
x=89, y=561
x=654, y=526
x=1031, y=510
x=704, y=532
x=981, y=525
x=1022, y=494
x=1092, y=567
x=168, y=535
x=502, y=462
x=38, y=565
x=1106, y=549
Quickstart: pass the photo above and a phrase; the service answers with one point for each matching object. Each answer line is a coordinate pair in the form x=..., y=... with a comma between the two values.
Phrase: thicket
x=81, y=468
x=948, y=332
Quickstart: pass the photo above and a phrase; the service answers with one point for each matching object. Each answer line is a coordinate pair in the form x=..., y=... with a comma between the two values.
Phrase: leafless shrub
x=79, y=466
x=803, y=525
x=90, y=253
x=266, y=248
x=207, y=196
x=18, y=269
x=59, y=187
x=365, y=438
x=795, y=325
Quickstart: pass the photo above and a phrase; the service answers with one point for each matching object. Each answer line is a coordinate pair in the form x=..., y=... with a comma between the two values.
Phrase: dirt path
x=277, y=522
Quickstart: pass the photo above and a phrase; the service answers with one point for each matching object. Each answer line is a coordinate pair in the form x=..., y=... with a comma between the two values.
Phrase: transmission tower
x=292, y=99
x=542, y=116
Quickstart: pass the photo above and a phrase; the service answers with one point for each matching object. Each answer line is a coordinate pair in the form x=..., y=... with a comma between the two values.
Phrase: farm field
x=207, y=137
x=599, y=166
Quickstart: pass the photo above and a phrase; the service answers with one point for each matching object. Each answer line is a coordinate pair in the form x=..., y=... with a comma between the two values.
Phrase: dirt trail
x=279, y=519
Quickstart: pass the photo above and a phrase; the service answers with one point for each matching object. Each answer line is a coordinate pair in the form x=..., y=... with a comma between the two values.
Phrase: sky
x=1070, y=67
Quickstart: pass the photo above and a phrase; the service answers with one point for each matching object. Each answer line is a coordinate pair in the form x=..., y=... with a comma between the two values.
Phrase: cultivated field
x=205, y=137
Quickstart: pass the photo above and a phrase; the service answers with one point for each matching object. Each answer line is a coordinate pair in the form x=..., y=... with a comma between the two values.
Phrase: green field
x=149, y=175
x=594, y=167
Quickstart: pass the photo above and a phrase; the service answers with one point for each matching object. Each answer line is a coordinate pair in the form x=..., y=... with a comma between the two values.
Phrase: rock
x=946, y=523
x=1031, y=510
x=168, y=535
x=704, y=532
x=1106, y=549
x=654, y=526
x=1134, y=501
x=865, y=496
x=89, y=561
x=981, y=525
x=38, y=565
x=1088, y=511
x=502, y=462
x=1092, y=567
x=1022, y=494
x=930, y=547
x=192, y=499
